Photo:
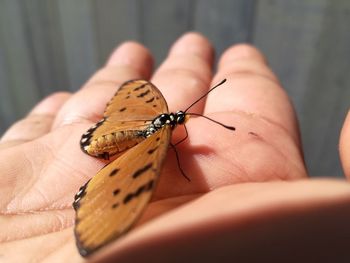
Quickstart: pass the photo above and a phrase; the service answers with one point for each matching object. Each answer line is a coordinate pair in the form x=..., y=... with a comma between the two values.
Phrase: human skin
x=249, y=198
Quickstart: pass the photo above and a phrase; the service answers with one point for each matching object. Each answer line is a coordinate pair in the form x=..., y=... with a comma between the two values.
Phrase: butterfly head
x=172, y=119
x=180, y=117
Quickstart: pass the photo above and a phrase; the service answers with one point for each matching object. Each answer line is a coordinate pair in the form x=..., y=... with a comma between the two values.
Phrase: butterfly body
x=172, y=119
x=109, y=144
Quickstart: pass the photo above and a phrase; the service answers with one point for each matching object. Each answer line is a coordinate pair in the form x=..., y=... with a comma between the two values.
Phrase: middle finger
x=186, y=73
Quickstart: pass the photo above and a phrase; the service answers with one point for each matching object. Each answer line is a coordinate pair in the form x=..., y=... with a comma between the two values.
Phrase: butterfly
x=136, y=128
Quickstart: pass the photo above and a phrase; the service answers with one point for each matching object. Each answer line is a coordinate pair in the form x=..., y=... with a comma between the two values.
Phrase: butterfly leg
x=183, y=139
x=178, y=162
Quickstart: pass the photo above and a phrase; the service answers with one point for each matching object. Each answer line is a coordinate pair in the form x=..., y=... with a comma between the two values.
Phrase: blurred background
x=47, y=46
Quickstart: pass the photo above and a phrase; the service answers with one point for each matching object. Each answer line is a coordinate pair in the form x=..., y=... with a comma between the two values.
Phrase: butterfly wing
x=130, y=111
x=136, y=100
x=110, y=203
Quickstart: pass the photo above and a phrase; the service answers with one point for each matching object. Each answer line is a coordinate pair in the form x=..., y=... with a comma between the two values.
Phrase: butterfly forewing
x=135, y=100
x=130, y=111
x=109, y=204
x=112, y=200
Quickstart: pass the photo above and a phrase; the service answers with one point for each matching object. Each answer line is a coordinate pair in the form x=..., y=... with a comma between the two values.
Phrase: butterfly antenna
x=203, y=96
x=200, y=115
x=221, y=124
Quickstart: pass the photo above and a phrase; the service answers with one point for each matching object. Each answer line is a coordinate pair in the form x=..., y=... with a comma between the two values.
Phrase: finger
x=344, y=146
x=252, y=89
x=186, y=72
x=232, y=221
x=37, y=123
x=129, y=61
x=266, y=143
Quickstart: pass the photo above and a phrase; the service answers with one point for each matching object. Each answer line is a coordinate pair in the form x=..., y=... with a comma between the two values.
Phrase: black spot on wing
x=142, y=189
x=122, y=109
x=140, y=87
x=114, y=172
x=128, y=198
x=142, y=170
x=115, y=205
x=150, y=100
x=150, y=151
x=116, y=191
x=141, y=95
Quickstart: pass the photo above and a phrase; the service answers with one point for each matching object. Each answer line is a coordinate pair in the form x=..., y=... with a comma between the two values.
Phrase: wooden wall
x=56, y=45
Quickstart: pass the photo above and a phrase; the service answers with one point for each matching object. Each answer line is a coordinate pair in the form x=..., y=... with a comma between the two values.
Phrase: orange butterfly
x=138, y=125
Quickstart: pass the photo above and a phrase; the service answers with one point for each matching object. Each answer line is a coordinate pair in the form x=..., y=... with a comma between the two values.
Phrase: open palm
x=249, y=197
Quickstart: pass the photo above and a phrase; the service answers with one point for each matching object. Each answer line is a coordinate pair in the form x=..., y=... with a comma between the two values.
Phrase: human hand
x=249, y=197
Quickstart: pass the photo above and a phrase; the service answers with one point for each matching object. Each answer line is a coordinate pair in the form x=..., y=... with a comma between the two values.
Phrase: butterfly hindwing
x=131, y=110
x=110, y=203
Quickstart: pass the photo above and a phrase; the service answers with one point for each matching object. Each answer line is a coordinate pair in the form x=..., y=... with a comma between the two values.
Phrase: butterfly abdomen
x=112, y=143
